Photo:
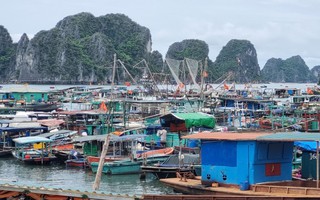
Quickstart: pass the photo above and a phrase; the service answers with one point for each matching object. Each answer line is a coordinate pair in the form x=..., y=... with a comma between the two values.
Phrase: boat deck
x=194, y=186
x=7, y=191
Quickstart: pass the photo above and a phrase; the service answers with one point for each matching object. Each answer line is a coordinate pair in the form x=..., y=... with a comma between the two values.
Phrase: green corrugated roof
x=196, y=119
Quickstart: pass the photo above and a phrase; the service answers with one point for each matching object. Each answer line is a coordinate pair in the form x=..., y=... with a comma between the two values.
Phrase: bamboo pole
x=105, y=146
x=97, y=180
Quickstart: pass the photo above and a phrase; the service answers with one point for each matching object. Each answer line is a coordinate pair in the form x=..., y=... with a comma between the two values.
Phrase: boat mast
x=113, y=73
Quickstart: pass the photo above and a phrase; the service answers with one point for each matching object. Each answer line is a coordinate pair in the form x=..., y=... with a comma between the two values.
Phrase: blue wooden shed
x=248, y=158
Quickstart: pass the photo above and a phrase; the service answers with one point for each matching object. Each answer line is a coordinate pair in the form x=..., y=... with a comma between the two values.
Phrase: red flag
x=103, y=107
x=309, y=91
x=226, y=87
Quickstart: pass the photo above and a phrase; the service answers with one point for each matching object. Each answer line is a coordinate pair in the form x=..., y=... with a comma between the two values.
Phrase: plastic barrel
x=244, y=185
x=192, y=143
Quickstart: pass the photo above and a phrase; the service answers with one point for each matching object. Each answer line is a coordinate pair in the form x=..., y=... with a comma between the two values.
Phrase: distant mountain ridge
x=81, y=49
x=292, y=70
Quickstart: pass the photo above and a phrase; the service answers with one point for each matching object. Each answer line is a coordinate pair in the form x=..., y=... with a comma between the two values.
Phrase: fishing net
x=174, y=67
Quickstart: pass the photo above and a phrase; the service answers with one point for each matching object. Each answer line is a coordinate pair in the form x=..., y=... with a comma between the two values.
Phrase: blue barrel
x=193, y=143
x=244, y=186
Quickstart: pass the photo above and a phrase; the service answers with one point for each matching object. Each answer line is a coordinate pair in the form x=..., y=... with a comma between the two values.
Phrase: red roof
x=206, y=135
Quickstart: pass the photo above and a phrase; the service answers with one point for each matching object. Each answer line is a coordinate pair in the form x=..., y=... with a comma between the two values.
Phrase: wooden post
x=97, y=180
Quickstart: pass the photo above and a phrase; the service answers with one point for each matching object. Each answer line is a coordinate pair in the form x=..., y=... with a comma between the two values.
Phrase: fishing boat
x=91, y=159
x=131, y=166
x=33, y=150
x=79, y=162
x=5, y=152
x=173, y=164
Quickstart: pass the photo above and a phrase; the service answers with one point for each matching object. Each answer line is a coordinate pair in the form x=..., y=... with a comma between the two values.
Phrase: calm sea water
x=58, y=176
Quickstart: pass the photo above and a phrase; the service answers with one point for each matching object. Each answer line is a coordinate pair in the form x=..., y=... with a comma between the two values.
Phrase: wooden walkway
x=194, y=186
x=213, y=197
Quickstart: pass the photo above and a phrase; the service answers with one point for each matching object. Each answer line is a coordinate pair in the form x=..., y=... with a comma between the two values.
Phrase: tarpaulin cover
x=193, y=119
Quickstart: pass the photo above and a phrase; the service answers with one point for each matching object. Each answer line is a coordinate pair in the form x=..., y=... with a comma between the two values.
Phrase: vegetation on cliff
x=7, y=52
x=291, y=70
x=240, y=58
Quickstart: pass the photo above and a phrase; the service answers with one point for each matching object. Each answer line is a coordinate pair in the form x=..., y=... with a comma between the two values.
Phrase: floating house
x=26, y=94
x=239, y=158
x=255, y=163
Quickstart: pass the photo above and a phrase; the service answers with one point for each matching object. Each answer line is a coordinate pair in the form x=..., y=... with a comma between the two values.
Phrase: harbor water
x=58, y=176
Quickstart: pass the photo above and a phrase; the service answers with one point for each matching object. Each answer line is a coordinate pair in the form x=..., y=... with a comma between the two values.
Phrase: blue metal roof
x=31, y=139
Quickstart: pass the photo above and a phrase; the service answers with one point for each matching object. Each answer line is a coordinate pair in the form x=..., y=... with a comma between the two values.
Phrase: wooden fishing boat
x=173, y=164
x=65, y=146
x=156, y=152
x=5, y=152
x=80, y=162
x=33, y=150
x=91, y=159
x=131, y=166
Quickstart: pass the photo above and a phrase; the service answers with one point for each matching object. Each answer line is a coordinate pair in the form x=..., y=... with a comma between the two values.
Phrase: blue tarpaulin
x=308, y=146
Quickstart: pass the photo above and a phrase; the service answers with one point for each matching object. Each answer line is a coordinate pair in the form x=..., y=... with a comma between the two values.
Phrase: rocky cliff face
x=292, y=70
x=315, y=71
x=7, y=53
x=80, y=48
x=193, y=49
x=240, y=58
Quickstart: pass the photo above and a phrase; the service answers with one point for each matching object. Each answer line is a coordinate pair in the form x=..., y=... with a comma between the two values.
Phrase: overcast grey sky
x=277, y=28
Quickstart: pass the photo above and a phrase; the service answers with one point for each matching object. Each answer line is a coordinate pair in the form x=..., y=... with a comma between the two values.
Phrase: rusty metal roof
x=206, y=135
x=258, y=136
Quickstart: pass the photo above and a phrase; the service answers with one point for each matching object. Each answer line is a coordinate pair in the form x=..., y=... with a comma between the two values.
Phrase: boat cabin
x=33, y=150
x=119, y=145
x=179, y=124
x=286, y=92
